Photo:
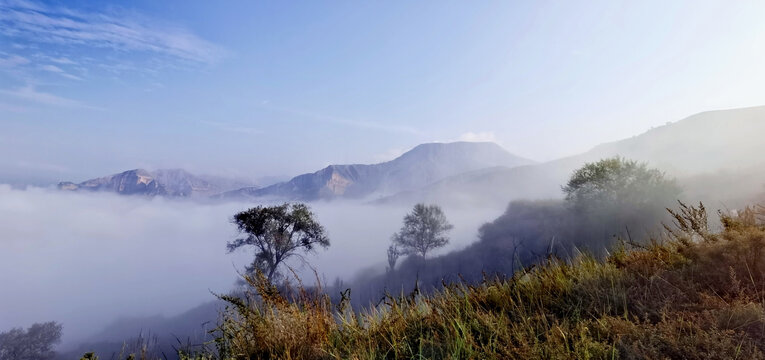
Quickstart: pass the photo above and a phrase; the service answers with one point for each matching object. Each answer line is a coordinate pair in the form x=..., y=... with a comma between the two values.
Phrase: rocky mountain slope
x=423, y=165
x=165, y=182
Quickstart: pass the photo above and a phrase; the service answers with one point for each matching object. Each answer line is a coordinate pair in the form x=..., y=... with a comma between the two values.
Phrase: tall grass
x=692, y=294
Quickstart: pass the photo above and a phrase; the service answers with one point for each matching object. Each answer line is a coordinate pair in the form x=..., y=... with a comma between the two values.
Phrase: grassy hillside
x=693, y=294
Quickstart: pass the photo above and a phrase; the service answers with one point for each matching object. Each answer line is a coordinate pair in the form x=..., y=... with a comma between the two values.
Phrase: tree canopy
x=34, y=343
x=277, y=233
x=424, y=229
x=619, y=181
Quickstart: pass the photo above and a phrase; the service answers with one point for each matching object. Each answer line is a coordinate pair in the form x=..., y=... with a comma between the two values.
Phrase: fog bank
x=87, y=259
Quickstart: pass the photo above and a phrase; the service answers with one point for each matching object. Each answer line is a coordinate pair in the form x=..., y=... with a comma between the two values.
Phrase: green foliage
x=34, y=343
x=424, y=229
x=618, y=181
x=609, y=197
x=606, y=201
x=277, y=233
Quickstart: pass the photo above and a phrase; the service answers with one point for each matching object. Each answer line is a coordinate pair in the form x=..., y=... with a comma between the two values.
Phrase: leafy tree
x=34, y=343
x=424, y=230
x=619, y=181
x=617, y=198
x=277, y=233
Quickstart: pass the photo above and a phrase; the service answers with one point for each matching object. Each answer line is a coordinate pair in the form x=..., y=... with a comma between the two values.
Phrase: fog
x=87, y=259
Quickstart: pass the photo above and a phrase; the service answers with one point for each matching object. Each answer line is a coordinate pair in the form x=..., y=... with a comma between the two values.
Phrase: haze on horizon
x=243, y=89
x=243, y=94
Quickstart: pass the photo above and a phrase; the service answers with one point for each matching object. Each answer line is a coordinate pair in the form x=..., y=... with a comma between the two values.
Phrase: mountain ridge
x=474, y=172
x=161, y=182
x=724, y=139
x=423, y=164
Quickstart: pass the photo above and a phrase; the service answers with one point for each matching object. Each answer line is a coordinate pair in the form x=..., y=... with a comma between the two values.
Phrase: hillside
x=160, y=333
x=425, y=164
x=694, y=295
x=704, y=144
x=163, y=182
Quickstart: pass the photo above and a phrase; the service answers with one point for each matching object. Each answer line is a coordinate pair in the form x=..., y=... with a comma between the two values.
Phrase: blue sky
x=254, y=89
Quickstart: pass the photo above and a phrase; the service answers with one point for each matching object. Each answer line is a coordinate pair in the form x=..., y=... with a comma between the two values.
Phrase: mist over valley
x=137, y=250
x=382, y=180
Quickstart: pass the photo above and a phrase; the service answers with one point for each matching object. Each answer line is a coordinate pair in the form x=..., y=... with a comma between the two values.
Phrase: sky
x=273, y=88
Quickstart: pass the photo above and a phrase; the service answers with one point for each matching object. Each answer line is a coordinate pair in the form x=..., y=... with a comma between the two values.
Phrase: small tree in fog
x=424, y=230
x=277, y=233
x=393, y=255
x=34, y=343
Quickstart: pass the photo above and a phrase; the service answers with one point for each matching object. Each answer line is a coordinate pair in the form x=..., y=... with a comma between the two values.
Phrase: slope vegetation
x=693, y=294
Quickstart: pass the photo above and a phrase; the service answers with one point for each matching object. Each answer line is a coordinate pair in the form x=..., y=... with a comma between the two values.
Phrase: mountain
x=701, y=147
x=414, y=169
x=164, y=182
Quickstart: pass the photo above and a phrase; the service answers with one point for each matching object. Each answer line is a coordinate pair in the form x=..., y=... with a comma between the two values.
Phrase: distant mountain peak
x=161, y=182
x=705, y=144
x=422, y=165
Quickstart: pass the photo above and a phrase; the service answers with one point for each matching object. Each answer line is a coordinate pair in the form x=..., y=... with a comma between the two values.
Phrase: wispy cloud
x=481, y=136
x=63, y=60
x=13, y=61
x=31, y=94
x=60, y=71
x=52, y=68
x=36, y=22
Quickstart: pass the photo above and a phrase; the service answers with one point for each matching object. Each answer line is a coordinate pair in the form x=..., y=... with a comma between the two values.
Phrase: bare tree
x=424, y=230
x=277, y=233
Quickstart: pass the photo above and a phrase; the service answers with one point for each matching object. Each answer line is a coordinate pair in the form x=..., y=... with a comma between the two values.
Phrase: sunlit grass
x=693, y=294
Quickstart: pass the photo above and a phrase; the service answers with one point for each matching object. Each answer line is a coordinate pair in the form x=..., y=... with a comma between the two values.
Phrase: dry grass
x=692, y=295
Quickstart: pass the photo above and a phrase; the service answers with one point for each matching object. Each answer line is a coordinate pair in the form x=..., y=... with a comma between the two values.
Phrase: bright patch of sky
x=278, y=88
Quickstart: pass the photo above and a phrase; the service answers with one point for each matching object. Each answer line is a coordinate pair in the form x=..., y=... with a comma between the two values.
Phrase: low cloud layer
x=87, y=259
